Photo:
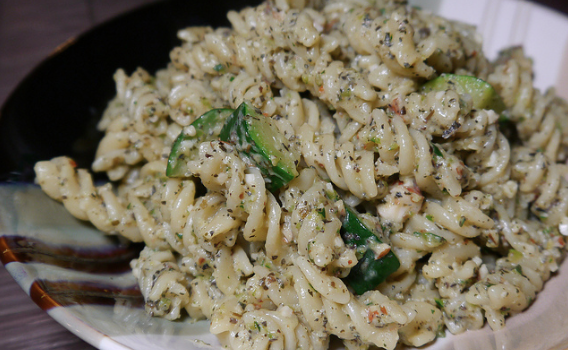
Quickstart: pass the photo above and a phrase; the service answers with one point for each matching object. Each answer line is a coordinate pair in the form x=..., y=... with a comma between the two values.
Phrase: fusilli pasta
x=471, y=199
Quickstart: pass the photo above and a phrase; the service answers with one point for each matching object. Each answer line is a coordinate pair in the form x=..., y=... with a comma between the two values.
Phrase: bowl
x=82, y=278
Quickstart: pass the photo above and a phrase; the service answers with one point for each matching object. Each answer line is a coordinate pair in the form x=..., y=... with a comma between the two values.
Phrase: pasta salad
x=347, y=168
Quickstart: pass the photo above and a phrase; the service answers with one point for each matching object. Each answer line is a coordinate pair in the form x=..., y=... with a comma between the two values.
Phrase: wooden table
x=29, y=31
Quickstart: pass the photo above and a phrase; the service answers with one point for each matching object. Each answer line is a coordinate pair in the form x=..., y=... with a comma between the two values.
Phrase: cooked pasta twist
x=143, y=214
x=74, y=187
x=540, y=117
x=161, y=283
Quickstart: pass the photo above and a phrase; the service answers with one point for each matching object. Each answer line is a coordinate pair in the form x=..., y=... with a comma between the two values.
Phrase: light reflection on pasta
x=469, y=196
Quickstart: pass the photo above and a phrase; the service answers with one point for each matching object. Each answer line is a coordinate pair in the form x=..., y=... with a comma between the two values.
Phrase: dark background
x=560, y=5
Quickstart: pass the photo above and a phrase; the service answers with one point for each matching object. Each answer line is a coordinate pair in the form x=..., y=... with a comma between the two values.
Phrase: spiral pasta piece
x=161, y=283
x=75, y=188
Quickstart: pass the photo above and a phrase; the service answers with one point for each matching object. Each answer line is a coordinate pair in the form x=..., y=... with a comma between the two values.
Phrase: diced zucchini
x=258, y=140
x=483, y=94
x=370, y=271
x=206, y=127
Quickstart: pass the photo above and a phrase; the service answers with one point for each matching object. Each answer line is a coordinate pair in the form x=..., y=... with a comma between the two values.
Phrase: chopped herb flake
x=439, y=302
x=437, y=151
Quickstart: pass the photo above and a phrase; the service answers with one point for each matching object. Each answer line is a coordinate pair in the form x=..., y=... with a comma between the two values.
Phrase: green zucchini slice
x=258, y=141
x=206, y=127
x=483, y=94
x=370, y=271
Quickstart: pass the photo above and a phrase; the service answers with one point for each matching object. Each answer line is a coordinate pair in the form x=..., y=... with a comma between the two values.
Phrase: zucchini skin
x=483, y=94
x=369, y=271
x=253, y=146
x=207, y=128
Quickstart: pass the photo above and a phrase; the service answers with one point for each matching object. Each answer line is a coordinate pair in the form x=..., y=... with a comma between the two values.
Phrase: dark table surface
x=29, y=31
